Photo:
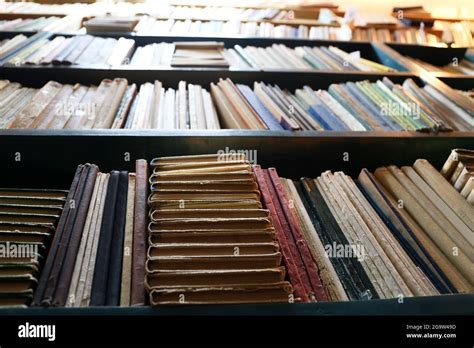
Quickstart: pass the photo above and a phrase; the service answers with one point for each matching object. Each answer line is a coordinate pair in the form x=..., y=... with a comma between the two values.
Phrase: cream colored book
x=125, y=289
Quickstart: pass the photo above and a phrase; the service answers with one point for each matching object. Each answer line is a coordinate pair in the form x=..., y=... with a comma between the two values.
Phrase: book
x=214, y=239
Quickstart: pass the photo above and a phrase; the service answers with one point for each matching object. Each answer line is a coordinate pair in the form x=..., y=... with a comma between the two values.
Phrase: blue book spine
x=330, y=119
x=266, y=116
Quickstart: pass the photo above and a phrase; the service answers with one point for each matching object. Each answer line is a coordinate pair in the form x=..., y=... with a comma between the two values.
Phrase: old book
x=203, y=54
x=332, y=285
x=218, y=236
x=405, y=233
x=350, y=271
x=430, y=226
x=241, y=294
x=102, y=265
x=83, y=254
x=295, y=233
x=84, y=289
x=117, y=241
x=223, y=249
x=125, y=289
x=39, y=102
x=215, y=262
x=287, y=250
x=63, y=226
x=456, y=228
x=416, y=282
x=445, y=191
x=231, y=278
x=156, y=215
x=140, y=235
x=73, y=243
x=456, y=156
x=110, y=24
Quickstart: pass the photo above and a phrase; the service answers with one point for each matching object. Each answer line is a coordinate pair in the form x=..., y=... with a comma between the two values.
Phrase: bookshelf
x=54, y=154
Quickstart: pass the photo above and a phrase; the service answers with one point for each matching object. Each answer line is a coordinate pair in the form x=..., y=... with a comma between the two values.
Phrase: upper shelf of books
x=263, y=19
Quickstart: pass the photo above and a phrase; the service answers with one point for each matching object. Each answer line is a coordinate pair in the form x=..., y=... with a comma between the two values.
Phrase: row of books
x=97, y=255
x=355, y=106
x=152, y=26
x=350, y=106
x=90, y=50
x=457, y=33
x=225, y=230
x=279, y=56
x=403, y=35
x=28, y=221
x=41, y=24
x=162, y=11
x=459, y=171
x=388, y=234
x=210, y=239
x=79, y=50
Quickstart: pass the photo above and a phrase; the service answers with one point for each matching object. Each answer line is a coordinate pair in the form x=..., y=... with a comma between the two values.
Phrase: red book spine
x=310, y=266
x=288, y=258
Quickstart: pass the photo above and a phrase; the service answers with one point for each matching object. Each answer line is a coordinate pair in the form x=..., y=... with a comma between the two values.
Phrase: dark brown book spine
x=140, y=234
x=55, y=244
x=53, y=279
x=64, y=281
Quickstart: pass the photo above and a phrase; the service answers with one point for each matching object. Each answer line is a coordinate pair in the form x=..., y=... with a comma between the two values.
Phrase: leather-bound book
x=102, y=266
x=140, y=235
x=116, y=248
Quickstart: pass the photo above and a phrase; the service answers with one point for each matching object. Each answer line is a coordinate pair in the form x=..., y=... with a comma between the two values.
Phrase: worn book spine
x=270, y=204
x=125, y=289
x=140, y=234
x=61, y=256
x=101, y=271
x=116, y=247
x=310, y=266
x=49, y=263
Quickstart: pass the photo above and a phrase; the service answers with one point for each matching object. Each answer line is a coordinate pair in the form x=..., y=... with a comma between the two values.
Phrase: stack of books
x=28, y=221
x=100, y=239
x=110, y=24
x=210, y=239
x=459, y=170
x=199, y=54
x=350, y=106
